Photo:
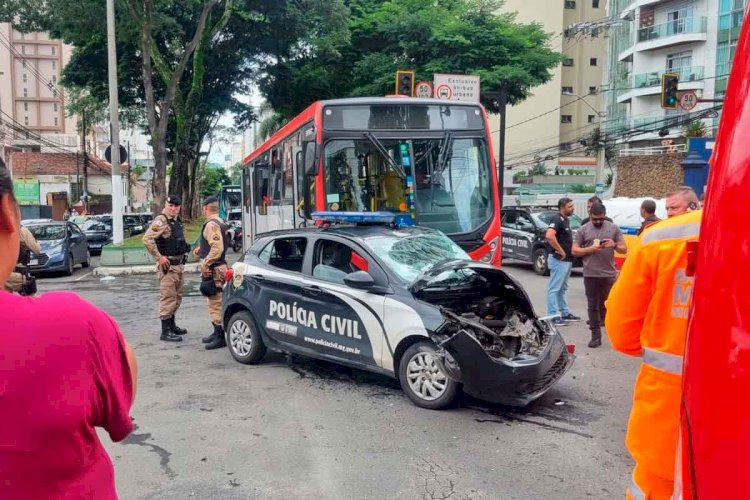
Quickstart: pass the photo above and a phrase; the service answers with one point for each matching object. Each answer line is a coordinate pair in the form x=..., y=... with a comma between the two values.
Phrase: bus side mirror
x=310, y=158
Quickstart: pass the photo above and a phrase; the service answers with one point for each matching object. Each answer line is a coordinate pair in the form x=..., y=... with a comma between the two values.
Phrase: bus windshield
x=449, y=177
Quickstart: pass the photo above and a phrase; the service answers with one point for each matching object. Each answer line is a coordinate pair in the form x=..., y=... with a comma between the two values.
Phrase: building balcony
x=685, y=30
x=643, y=84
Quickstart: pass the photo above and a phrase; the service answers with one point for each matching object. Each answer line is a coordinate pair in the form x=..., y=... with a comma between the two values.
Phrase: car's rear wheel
x=244, y=340
x=70, y=264
x=423, y=380
x=539, y=261
x=87, y=261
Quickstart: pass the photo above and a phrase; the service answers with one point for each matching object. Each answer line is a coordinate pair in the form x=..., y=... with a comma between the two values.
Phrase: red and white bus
x=429, y=161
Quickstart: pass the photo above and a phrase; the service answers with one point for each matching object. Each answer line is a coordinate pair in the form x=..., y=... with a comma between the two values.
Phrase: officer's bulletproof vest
x=175, y=244
x=205, y=246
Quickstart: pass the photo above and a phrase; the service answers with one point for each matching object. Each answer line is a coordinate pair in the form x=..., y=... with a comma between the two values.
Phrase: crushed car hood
x=487, y=271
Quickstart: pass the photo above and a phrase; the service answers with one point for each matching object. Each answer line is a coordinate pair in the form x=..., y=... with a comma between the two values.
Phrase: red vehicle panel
x=715, y=426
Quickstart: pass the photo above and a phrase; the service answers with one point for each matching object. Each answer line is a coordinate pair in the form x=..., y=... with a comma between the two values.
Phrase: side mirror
x=361, y=280
x=310, y=157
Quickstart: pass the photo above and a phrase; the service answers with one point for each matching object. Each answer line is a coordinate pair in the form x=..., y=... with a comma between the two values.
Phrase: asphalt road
x=209, y=427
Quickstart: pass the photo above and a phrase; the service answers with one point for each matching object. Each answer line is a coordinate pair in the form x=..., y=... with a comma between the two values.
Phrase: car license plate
x=33, y=262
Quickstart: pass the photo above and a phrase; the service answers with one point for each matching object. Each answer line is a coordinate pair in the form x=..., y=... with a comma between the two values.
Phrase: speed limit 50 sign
x=688, y=100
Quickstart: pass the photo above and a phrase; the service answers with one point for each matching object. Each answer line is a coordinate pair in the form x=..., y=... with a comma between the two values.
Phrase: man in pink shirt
x=65, y=369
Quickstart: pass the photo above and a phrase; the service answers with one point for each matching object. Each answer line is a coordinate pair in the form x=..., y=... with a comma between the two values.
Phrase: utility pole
x=114, y=119
x=500, y=98
x=85, y=195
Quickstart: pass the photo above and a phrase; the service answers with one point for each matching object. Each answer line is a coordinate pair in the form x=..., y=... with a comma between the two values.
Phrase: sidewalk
x=192, y=267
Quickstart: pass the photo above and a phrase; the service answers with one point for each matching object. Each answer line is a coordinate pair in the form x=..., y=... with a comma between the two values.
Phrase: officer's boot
x=177, y=329
x=210, y=337
x=167, y=334
x=218, y=339
x=596, y=339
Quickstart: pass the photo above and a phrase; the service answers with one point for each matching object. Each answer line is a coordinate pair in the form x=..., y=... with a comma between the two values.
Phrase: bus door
x=247, y=206
x=299, y=181
x=261, y=198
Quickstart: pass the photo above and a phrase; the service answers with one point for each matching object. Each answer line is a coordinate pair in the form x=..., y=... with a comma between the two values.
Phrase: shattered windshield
x=48, y=232
x=444, y=181
x=411, y=251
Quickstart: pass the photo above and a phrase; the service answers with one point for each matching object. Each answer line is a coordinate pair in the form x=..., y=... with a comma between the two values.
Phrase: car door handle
x=312, y=290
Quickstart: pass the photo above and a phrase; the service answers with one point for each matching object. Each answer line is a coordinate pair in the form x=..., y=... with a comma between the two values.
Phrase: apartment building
x=693, y=38
x=550, y=124
x=32, y=102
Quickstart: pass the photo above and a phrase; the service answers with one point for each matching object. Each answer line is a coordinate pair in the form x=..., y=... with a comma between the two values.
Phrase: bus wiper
x=381, y=149
x=443, y=155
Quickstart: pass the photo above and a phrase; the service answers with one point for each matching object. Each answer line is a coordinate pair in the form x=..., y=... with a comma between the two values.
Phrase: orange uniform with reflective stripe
x=647, y=313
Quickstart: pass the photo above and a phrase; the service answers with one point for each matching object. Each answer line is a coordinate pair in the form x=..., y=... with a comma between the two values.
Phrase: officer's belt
x=176, y=260
x=217, y=264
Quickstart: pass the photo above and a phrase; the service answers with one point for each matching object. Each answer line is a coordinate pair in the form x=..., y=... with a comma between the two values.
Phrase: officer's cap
x=174, y=199
x=210, y=200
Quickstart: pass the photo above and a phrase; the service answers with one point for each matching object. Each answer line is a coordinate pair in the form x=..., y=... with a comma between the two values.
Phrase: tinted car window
x=285, y=253
x=96, y=225
x=334, y=260
x=546, y=217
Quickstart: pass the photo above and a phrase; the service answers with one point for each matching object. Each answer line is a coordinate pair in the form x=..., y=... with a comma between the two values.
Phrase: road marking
x=81, y=277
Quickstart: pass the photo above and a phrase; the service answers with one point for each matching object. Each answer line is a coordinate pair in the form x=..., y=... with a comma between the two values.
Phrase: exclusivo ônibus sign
x=457, y=87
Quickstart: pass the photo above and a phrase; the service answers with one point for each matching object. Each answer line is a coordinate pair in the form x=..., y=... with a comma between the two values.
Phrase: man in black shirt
x=560, y=262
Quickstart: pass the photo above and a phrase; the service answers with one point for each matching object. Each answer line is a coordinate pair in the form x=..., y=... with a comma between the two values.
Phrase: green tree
x=235, y=173
x=427, y=36
x=212, y=179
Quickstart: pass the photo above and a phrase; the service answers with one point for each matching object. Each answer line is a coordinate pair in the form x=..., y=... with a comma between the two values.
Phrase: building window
x=565, y=146
x=54, y=50
x=54, y=65
x=26, y=120
x=55, y=106
x=26, y=92
x=23, y=49
x=23, y=61
x=595, y=4
x=25, y=78
x=566, y=118
x=54, y=92
x=567, y=90
x=592, y=118
x=593, y=90
x=568, y=62
x=593, y=61
x=680, y=63
x=54, y=78
x=26, y=106
x=570, y=4
x=55, y=121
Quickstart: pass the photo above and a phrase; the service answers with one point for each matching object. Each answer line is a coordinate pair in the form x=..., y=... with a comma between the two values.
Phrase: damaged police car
x=406, y=302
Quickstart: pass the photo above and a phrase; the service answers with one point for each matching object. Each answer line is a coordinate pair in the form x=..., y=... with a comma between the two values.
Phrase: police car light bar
x=355, y=217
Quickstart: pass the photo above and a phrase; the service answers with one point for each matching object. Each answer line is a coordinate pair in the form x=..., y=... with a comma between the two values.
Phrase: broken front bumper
x=517, y=381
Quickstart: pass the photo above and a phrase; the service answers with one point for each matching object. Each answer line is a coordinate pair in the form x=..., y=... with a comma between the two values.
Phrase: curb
x=137, y=270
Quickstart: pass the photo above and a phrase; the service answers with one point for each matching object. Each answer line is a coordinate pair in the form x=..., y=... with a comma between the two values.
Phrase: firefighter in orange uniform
x=647, y=314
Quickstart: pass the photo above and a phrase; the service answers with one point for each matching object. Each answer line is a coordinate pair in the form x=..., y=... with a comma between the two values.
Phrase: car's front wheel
x=70, y=265
x=244, y=340
x=539, y=260
x=423, y=380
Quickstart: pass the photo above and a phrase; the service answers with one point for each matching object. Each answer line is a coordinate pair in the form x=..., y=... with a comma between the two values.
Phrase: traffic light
x=405, y=83
x=669, y=96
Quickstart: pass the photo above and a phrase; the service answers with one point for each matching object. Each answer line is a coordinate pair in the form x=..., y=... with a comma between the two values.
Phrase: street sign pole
x=114, y=119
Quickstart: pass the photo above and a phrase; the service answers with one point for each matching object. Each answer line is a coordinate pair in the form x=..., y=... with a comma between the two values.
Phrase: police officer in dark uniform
x=212, y=250
x=165, y=241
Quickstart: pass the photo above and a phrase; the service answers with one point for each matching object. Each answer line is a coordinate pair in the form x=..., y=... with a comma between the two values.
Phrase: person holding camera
x=20, y=280
x=165, y=241
x=596, y=243
x=212, y=249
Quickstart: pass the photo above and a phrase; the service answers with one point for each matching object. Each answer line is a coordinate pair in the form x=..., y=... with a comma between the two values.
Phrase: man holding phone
x=596, y=243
